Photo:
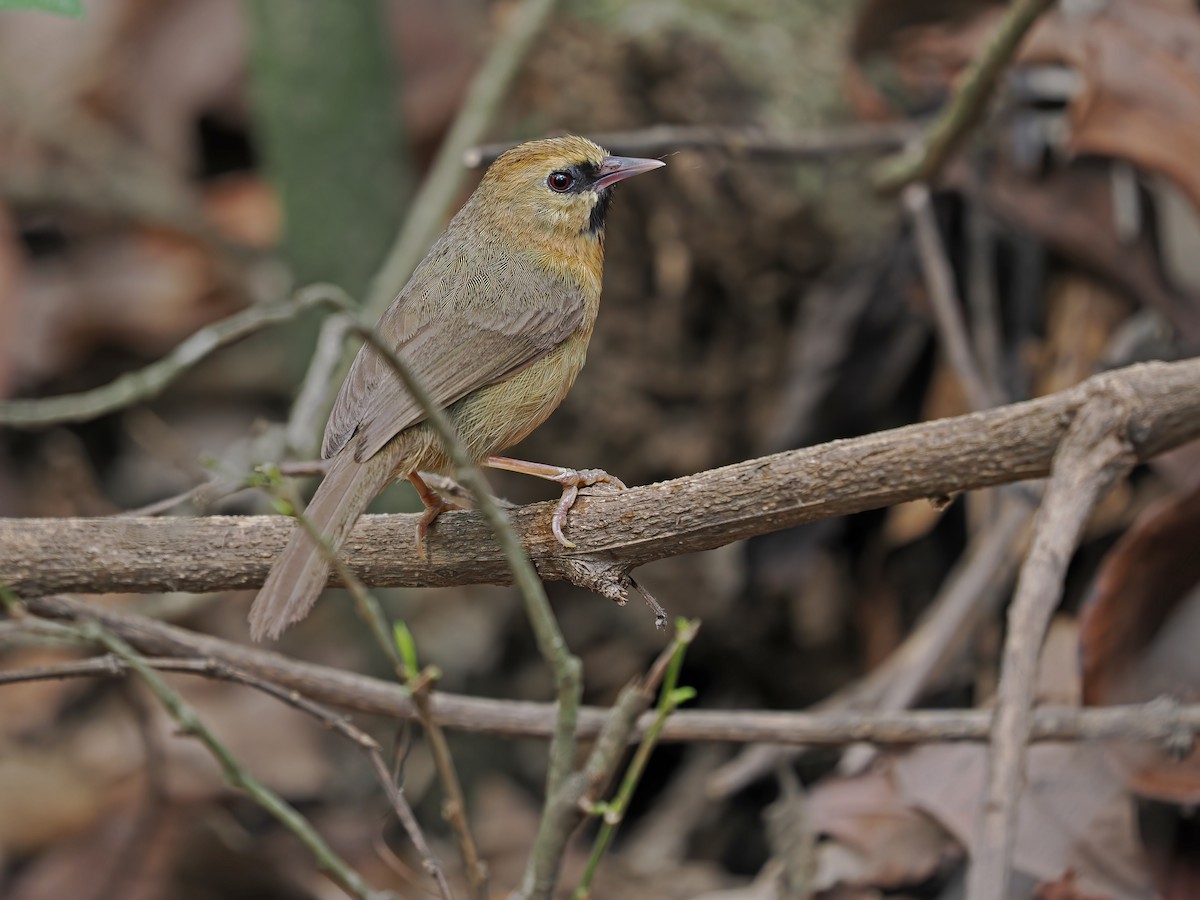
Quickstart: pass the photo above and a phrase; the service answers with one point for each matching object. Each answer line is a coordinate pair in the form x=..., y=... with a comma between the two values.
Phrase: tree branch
x=1158, y=721
x=235, y=774
x=659, y=139
x=1095, y=453
x=923, y=161
x=616, y=531
x=150, y=381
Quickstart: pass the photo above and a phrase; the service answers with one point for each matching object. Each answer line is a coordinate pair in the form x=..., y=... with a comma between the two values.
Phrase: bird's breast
x=503, y=414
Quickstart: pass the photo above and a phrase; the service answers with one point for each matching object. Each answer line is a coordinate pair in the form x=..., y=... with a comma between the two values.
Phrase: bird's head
x=561, y=186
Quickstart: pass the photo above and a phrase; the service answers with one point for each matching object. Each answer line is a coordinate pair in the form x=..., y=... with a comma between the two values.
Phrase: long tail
x=300, y=573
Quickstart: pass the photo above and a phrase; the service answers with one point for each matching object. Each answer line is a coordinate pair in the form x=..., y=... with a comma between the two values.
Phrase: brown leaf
x=1073, y=816
x=1140, y=628
x=876, y=836
x=142, y=290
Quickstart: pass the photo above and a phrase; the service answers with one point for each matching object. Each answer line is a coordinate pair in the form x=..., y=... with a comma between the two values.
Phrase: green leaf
x=680, y=696
x=407, y=647
x=283, y=507
x=72, y=8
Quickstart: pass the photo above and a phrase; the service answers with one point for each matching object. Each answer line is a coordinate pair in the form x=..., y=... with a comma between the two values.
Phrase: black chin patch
x=599, y=211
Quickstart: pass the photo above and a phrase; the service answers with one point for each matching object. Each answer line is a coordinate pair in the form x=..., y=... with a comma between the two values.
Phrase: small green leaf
x=72, y=8
x=407, y=647
x=283, y=507
x=679, y=696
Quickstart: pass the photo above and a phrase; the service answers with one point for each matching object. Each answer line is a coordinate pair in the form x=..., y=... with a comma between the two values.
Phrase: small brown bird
x=495, y=323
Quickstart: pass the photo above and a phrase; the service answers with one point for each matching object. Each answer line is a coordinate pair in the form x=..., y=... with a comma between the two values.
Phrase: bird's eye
x=560, y=181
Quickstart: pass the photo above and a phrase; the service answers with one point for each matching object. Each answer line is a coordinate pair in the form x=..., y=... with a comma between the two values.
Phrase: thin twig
x=669, y=700
x=1160, y=722
x=364, y=742
x=817, y=144
x=1095, y=453
x=580, y=790
x=220, y=487
x=924, y=160
x=616, y=530
x=315, y=396
x=971, y=592
x=149, y=381
x=237, y=776
x=983, y=303
x=115, y=665
x=943, y=297
x=371, y=611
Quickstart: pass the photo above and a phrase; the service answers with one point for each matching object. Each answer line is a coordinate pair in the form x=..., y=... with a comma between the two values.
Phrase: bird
x=495, y=323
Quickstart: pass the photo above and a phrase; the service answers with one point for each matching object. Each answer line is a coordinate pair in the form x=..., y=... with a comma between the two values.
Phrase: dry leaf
x=1140, y=630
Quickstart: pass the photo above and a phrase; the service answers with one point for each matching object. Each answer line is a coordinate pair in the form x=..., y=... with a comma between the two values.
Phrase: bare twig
x=970, y=593
x=185, y=651
x=737, y=141
x=618, y=530
x=983, y=303
x=1095, y=453
x=219, y=487
x=943, y=297
x=372, y=613
x=315, y=397
x=150, y=381
x=115, y=665
x=364, y=742
x=455, y=808
x=580, y=790
x=923, y=161
x=670, y=698
x=237, y=776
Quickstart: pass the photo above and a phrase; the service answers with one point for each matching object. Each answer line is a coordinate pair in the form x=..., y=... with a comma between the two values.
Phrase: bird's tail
x=300, y=573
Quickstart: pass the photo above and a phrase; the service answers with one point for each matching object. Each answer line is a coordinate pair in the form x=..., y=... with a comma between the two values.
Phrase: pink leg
x=571, y=480
x=434, y=507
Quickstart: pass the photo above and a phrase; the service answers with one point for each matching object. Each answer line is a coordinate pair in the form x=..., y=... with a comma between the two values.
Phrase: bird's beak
x=618, y=168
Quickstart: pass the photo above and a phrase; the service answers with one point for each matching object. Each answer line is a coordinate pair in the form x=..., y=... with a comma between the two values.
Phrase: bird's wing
x=454, y=338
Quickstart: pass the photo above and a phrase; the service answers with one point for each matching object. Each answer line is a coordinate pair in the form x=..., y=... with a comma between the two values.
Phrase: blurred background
x=164, y=165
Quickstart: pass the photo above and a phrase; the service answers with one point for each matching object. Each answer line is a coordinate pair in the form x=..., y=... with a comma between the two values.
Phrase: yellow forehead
x=546, y=155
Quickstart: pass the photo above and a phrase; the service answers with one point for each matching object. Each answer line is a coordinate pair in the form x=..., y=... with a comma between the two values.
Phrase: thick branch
x=620, y=529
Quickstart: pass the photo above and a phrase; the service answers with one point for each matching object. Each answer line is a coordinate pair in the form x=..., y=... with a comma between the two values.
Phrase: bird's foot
x=572, y=480
x=432, y=511
x=435, y=505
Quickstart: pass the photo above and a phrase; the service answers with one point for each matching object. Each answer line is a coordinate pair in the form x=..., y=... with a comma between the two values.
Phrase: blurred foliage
x=324, y=106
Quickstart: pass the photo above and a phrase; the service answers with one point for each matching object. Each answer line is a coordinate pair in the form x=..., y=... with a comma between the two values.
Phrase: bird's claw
x=432, y=511
x=572, y=480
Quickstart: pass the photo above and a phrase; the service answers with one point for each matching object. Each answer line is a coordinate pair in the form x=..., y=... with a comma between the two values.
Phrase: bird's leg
x=571, y=480
x=435, y=505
